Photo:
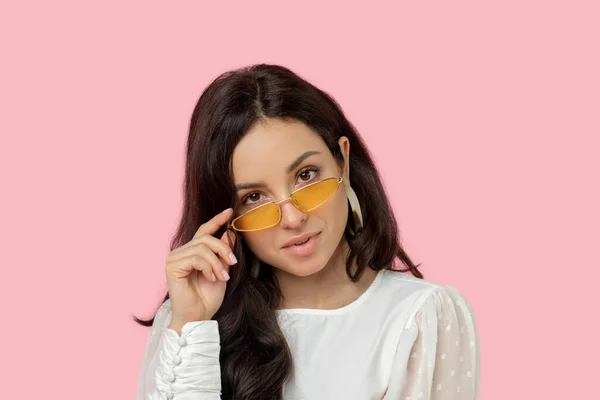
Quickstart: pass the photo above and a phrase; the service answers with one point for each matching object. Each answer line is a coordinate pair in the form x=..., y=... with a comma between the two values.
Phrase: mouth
x=303, y=246
x=299, y=240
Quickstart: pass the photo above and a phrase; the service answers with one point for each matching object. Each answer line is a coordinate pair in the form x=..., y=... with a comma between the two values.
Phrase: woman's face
x=265, y=155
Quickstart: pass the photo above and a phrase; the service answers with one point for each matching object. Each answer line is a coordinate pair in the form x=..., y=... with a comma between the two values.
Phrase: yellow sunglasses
x=305, y=199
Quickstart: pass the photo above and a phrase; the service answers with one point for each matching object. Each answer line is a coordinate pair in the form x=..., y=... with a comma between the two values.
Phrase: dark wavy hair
x=255, y=359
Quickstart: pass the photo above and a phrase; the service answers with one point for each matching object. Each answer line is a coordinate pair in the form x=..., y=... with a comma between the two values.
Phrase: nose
x=291, y=217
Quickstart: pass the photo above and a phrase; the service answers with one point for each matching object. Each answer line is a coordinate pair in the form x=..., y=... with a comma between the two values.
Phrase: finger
x=220, y=269
x=213, y=225
x=205, y=267
x=183, y=267
x=229, y=238
x=216, y=245
x=189, y=244
x=207, y=256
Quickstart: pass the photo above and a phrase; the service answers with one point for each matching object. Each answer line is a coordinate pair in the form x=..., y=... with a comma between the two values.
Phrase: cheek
x=341, y=209
x=335, y=212
x=259, y=242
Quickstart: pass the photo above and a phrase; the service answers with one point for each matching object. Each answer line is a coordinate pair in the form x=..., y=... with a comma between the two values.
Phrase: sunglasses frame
x=278, y=203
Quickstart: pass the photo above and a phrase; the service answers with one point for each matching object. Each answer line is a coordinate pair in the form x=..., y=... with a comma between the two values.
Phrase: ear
x=344, y=144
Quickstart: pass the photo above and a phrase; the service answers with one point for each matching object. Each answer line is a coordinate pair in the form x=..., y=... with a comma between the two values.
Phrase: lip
x=300, y=238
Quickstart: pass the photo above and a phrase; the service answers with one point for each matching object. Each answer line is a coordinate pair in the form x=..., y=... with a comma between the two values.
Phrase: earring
x=255, y=267
x=356, y=211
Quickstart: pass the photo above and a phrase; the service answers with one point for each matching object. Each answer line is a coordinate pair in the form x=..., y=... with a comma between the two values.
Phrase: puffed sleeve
x=180, y=367
x=443, y=363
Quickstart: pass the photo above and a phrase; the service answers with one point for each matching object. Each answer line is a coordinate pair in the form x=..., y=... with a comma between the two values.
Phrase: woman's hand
x=197, y=273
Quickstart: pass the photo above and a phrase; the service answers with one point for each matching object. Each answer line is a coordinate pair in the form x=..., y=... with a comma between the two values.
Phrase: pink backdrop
x=484, y=120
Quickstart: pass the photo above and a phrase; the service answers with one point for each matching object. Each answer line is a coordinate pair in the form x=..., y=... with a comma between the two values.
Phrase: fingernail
x=213, y=277
x=232, y=258
x=225, y=275
x=223, y=212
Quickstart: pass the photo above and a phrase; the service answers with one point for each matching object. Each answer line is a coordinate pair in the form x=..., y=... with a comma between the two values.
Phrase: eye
x=308, y=174
x=251, y=199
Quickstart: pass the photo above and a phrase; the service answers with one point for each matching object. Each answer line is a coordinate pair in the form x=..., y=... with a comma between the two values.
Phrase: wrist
x=177, y=324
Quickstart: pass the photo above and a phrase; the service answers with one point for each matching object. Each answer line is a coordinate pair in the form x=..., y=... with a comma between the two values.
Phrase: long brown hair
x=255, y=359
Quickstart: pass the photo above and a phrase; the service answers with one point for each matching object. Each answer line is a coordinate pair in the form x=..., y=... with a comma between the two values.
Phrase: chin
x=302, y=269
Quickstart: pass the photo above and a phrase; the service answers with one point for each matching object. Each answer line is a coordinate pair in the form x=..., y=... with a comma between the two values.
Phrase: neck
x=328, y=289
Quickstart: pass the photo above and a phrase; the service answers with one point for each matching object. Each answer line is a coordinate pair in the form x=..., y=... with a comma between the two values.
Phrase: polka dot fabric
x=444, y=359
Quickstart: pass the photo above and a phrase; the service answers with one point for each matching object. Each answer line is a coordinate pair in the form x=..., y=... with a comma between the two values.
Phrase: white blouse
x=403, y=338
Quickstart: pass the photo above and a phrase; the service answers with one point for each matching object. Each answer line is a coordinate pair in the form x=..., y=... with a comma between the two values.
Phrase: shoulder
x=402, y=292
x=402, y=286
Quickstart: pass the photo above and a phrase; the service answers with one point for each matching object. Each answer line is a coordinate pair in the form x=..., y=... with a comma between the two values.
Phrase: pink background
x=484, y=120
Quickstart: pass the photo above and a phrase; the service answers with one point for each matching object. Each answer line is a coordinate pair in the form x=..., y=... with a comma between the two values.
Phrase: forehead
x=270, y=146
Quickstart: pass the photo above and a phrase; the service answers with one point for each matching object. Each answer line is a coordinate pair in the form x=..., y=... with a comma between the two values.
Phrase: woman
x=291, y=293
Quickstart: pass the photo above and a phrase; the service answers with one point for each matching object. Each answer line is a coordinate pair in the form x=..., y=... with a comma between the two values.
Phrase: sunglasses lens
x=261, y=217
x=312, y=196
x=305, y=199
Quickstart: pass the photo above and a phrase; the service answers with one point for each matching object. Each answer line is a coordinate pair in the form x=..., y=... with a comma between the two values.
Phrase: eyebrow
x=289, y=169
